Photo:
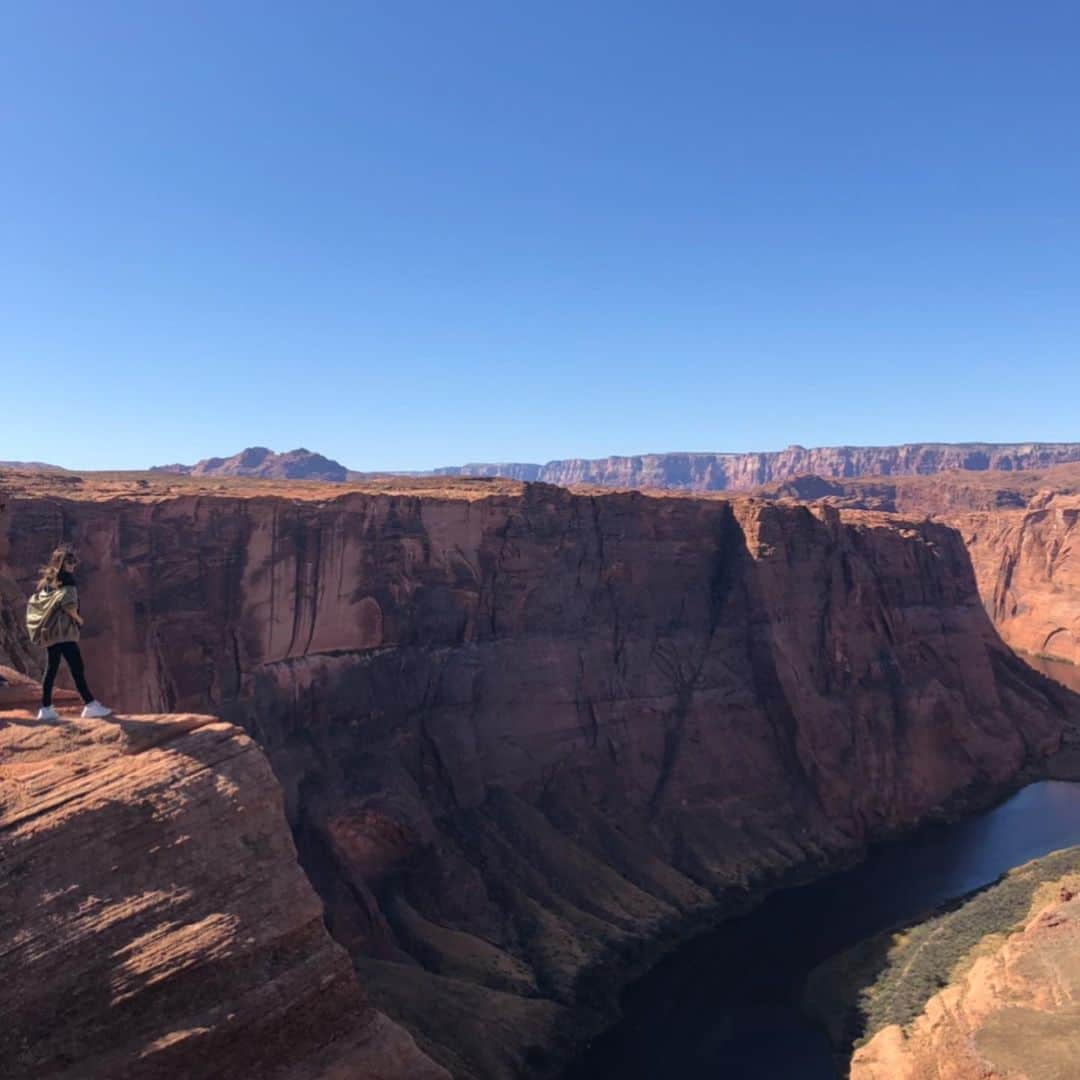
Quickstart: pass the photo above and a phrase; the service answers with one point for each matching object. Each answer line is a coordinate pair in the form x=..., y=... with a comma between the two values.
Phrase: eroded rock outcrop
x=1011, y=1012
x=737, y=472
x=524, y=734
x=22, y=694
x=154, y=922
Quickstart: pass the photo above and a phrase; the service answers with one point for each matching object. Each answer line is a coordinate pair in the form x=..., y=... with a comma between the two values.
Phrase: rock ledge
x=154, y=921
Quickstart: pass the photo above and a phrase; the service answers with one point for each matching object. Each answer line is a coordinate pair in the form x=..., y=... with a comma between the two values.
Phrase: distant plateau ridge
x=678, y=471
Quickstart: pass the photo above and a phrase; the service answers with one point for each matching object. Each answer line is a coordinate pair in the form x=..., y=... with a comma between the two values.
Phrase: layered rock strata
x=735, y=472
x=1022, y=532
x=523, y=733
x=1010, y=1011
x=23, y=694
x=154, y=922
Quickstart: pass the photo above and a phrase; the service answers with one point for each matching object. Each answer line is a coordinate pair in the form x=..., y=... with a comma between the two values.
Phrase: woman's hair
x=51, y=571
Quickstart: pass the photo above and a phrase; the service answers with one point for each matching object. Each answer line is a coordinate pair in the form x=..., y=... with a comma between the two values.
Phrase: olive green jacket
x=46, y=620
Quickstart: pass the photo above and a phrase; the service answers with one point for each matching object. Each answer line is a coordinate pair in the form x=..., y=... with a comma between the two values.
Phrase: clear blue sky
x=411, y=234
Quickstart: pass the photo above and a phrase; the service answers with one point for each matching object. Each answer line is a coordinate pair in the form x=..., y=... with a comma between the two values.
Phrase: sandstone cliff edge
x=154, y=922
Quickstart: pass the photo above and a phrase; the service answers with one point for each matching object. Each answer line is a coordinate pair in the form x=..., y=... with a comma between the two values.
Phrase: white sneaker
x=47, y=712
x=95, y=710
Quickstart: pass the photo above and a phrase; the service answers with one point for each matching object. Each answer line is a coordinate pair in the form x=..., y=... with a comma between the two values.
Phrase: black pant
x=69, y=650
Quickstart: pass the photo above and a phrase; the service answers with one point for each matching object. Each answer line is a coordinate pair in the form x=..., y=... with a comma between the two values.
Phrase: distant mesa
x=39, y=466
x=742, y=471
x=259, y=461
x=510, y=470
x=705, y=471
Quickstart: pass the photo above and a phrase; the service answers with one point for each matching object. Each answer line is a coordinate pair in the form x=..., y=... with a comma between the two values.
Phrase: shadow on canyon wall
x=523, y=739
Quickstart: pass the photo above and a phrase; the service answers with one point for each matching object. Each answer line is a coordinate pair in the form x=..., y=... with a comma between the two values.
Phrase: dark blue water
x=725, y=1006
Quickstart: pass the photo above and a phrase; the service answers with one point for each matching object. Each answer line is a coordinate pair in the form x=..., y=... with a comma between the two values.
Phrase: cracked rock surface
x=154, y=922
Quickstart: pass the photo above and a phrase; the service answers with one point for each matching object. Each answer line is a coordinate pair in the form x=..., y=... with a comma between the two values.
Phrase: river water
x=725, y=1006
x=1058, y=670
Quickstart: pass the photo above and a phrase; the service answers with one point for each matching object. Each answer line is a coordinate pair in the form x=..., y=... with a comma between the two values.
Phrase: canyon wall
x=1028, y=568
x=524, y=734
x=737, y=472
x=155, y=922
x=1022, y=532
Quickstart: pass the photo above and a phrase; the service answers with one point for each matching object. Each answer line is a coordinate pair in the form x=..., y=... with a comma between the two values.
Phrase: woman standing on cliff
x=53, y=620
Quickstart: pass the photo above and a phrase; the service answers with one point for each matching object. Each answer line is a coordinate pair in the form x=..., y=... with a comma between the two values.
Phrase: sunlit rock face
x=521, y=734
x=1012, y=1010
x=155, y=922
x=1028, y=567
x=1022, y=532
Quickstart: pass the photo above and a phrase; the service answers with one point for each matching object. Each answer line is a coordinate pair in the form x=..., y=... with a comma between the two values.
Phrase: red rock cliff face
x=1023, y=535
x=521, y=735
x=738, y=472
x=155, y=923
x=1028, y=567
